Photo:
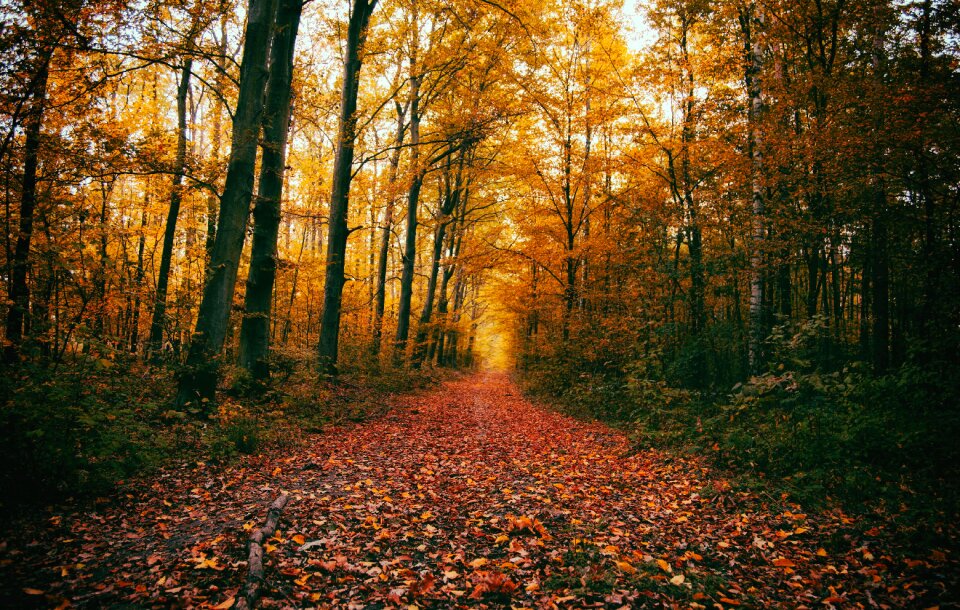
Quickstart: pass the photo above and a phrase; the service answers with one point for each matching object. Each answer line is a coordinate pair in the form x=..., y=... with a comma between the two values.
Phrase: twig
x=251, y=590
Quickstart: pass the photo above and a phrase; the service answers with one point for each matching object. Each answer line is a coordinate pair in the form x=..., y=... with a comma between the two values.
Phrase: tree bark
x=880, y=260
x=253, y=585
x=380, y=295
x=213, y=200
x=340, y=198
x=158, y=321
x=19, y=288
x=140, y=273
x=410, y=242
x=255, y=328
x=451, y=202
x=750, y=19
x=198, y=380
x=439, y=335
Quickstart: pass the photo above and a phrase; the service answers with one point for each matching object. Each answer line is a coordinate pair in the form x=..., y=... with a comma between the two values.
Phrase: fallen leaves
x=423, y=586
x=208, y=563
x=476, y=499
x=491, y=584
x=519, y=526
x=782, y=562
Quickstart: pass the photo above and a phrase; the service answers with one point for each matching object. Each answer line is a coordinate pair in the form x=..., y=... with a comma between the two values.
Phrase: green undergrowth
x=882, y=445
x=77, y=428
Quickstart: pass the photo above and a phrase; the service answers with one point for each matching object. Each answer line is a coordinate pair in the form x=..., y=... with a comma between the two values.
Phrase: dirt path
x=467, y=495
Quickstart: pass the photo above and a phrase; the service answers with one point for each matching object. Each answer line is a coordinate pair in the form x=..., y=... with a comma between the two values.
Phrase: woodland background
x=732, y=229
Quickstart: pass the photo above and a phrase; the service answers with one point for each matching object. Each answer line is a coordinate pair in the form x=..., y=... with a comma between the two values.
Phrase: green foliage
x=79, y=428
x=841, y=435
x=241, y=434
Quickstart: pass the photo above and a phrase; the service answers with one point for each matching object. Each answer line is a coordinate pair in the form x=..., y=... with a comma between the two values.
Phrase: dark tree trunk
x=138, y=278
x=451, y=202
x=380, y=295
x=439, y=336
x=880, y=267
x=753, y=61
x=452, y=357
x=340, y=198
x=410, y=243
x=198, y=381
x=19, y=288
x=880, y=260
x=931, y=279
x=100, y=276
x=785, y=296
x=213, y=201
x=255, y=328
x=423, y=325
x=284, y=336
x=813, y=282
x=158, y=322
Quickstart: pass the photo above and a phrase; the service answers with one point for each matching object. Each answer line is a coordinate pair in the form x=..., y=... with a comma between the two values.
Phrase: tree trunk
x=410, y=243
x=931, y=279
x=880, y=339
x=213, y=200
x=451, y=203
x=694, y=237
x=158, y=322
x=340, y=197
x=880, y=260
x=198, y=381
x=380, y=294
x=140, y=272
x=19, y=288
x=100, y=275
x=285, y=334
x=753, y=56
x=419, y=343
x=255, y=328
x=439, y=336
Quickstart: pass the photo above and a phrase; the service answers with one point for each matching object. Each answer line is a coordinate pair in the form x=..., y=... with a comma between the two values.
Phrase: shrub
x=844, y=434
x=77, y=429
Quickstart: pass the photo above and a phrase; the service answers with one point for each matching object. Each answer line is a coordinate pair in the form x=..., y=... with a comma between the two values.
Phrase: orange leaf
x=424, y=585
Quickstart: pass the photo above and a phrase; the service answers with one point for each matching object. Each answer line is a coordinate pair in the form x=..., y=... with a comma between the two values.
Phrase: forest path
x=469, y=495
x=463, y=495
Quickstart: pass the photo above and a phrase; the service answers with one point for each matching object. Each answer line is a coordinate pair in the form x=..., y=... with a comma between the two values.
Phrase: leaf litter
x=466, y=496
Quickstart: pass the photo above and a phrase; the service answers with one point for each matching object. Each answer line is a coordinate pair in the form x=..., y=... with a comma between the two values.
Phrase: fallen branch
x=251, y=590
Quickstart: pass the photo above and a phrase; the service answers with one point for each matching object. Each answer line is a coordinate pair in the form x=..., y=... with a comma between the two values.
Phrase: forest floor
x=465, y=495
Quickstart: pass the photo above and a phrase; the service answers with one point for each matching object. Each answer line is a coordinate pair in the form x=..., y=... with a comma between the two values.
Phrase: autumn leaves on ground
x=465, y=495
